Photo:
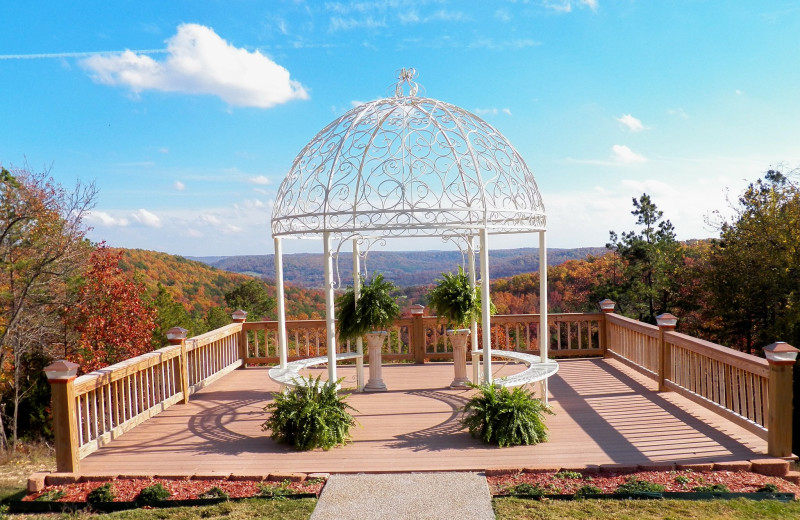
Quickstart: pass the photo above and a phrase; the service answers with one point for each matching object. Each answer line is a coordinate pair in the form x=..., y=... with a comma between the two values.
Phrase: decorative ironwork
x=408, y=166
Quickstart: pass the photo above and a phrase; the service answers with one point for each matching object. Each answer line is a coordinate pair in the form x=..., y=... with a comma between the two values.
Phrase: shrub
x=587, y=489
x=312, y=415
x=154, y=493
x=769, y=488
x=504, y=417
x=275, y=490
x=104, y=493
x=51, y=495
x=526, y=489
x=574, y=475
x=214, y=492
x=682, y=479
x=714, y=488
x=636, y=485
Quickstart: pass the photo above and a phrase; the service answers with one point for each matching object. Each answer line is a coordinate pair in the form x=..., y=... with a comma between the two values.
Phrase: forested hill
x=404, y=268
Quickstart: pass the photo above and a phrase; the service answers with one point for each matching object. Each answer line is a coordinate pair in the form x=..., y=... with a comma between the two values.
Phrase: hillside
x=404, y=268
x=199, y=286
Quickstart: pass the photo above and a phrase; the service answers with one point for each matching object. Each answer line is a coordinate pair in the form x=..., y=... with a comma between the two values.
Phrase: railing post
x=61, y=376
x=240, y=316
x=607, y=307
x=781, y=357
x=666, y=322
x=418, y=333
x=177, y=336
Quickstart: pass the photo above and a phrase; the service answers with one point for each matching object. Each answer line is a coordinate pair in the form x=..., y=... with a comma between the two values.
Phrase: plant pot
x=374, y=347
x=459, y=338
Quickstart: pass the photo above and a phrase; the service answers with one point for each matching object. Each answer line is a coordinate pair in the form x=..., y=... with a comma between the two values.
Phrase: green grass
x=249, y=509
x=517, y=508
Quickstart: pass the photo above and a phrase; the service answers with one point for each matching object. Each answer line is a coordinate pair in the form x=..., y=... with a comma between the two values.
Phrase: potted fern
x=455, y=300
x=373, y=312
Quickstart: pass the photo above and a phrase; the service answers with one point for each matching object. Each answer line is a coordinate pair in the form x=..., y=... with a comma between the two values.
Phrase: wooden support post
x=781, y=357
x=607, y=306
x=418, y=333
x=61, y=375
x=177, y=336
x=240, y=316
x=666, y=323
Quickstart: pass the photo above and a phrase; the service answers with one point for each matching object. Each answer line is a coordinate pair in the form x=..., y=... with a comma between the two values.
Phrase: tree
x=169, y=314
x=251, y=296
x=41, y=246
x=753, y=272
x=112, y=320
x=650, y=259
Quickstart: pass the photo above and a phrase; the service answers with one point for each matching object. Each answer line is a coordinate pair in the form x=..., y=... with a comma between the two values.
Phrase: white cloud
x=200, y=62
x=678, y=112
x=488, y=43
x=339, y=23
x=261, y=180
x=625, y=155
x=147, y=218
x=104, y=219
x=565, y=6
x=633, y=124
x=492, y=111
x=178, y=185
x=163, y=150
x=591, y=4
x=503, y=15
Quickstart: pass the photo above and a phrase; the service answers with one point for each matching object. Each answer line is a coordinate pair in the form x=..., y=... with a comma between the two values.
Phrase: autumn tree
x=41, y=246
x=753, y=273
x=112, y=320
x=251, y=296
x=649, y=258
x=170, y=313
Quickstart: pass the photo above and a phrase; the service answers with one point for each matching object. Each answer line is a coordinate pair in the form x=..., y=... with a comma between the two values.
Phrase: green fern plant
x=376, y=308
x=311, y=415
x=151, y=494
x=505, y=417
x=454, y=299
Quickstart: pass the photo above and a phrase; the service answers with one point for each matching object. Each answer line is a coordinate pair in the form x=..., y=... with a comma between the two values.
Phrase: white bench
x=536, y=371
x=290, y=376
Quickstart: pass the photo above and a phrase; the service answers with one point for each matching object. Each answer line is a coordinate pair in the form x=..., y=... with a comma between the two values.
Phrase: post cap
x=239, y=316
x=607, y=305
x=61, y=370
x=176, y=335
x=780, y=353
x=416, y=309
x=666, y=321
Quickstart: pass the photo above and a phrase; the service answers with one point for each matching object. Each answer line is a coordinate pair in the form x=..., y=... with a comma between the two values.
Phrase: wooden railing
x=111, y=401
x=95, y=408
x=731, y=383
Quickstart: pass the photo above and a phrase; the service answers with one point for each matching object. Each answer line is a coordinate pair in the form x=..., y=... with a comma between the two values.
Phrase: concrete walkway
x=400, y=496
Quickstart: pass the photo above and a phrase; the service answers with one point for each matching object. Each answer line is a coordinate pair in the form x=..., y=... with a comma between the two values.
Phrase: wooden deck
x=605, y=414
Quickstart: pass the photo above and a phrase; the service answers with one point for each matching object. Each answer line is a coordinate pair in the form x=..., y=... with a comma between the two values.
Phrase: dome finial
x=406, y=76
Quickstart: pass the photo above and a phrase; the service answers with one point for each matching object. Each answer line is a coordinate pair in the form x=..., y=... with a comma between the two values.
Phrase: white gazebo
x=408, y=166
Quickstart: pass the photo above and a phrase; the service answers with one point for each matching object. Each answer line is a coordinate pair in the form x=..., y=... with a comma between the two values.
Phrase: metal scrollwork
x=408, y=166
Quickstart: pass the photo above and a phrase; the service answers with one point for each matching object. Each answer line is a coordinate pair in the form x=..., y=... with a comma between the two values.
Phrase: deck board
x=605, y=414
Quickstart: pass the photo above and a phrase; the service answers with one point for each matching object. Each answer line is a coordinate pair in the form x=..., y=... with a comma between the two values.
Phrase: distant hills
x=404, y=268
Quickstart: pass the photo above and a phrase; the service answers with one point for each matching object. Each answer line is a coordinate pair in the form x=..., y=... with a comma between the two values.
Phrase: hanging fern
x=504, y=417
x=454, y=299
x=376, y=308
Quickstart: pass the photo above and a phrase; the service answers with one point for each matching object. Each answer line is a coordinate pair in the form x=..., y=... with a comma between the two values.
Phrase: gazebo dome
x=408, y=165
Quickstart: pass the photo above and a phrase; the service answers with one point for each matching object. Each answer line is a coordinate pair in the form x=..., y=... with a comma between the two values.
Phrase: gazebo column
x=544, y=329
x=359, y=341
x=279, y=297
x=486, y=323
x=330, y=323
x=476, y=364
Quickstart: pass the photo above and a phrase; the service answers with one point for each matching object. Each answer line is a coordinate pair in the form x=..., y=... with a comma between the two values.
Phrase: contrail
x=73, y=54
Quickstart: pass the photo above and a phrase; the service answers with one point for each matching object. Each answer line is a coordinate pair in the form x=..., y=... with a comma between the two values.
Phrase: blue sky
x=188, y=114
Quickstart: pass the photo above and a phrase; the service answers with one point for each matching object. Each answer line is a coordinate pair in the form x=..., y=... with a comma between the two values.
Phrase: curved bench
x=536, y=371
x=290, y=376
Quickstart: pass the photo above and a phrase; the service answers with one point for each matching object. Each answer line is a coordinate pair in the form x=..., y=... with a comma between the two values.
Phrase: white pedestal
x=374, y=347
x=458, y=338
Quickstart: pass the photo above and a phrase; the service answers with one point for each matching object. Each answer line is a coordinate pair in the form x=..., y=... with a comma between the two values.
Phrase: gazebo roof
x=407, y=166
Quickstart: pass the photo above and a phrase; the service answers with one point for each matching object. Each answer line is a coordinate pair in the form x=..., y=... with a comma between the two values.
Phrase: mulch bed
x=126, y=489
x=673, y=481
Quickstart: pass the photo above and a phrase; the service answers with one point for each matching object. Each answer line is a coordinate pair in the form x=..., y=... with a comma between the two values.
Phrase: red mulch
x=126, y=489
x=737, y=481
